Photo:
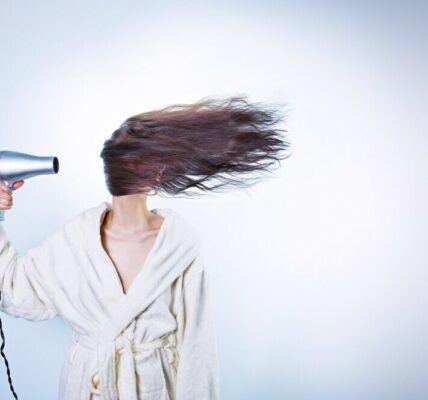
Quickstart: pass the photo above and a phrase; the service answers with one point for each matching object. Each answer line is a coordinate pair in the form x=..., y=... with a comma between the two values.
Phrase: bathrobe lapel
x=173, y=251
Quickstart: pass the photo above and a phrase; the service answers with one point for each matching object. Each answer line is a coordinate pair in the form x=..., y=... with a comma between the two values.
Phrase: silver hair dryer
x=16, y=166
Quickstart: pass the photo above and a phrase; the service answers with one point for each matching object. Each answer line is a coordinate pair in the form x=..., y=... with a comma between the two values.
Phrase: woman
x=128, y=280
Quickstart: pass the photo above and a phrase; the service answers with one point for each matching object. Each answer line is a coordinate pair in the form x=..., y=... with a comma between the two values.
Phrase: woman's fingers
x=6, y=200
x=5, y=205
x=16, y=185
x=6, y=195
x=4, y=187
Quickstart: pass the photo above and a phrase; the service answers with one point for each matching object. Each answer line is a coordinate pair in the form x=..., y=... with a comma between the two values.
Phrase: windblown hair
x=228, y=143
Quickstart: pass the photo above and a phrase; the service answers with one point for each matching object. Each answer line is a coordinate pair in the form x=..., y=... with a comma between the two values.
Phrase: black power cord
x=9, y=378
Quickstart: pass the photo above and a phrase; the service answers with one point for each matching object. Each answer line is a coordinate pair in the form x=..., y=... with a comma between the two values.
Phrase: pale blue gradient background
x=320, y=273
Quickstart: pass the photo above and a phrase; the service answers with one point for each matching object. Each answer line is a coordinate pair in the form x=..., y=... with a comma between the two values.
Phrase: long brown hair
x=208, y=146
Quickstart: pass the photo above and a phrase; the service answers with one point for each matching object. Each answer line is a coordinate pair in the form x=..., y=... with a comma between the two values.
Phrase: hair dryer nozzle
x=15, y=166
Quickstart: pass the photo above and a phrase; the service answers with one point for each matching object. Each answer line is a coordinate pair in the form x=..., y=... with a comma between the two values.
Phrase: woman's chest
x=128, y=256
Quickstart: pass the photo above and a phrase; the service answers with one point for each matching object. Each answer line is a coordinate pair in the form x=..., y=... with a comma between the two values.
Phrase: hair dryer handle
x=10, y=184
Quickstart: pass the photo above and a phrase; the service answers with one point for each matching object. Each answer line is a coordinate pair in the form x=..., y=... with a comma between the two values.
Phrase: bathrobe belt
x=116, y=360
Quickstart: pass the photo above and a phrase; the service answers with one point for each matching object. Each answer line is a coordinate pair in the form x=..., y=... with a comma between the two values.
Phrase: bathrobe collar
x=175, y=247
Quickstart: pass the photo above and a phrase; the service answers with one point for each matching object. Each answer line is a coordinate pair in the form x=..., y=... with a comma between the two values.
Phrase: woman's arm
x=198, y=369
x=21, y=281
x=21, y=277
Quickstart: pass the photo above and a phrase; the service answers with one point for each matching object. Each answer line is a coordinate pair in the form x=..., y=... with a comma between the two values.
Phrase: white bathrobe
x=157, y=342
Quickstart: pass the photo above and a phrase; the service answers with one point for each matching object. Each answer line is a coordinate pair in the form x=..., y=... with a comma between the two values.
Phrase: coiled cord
x=6, y=362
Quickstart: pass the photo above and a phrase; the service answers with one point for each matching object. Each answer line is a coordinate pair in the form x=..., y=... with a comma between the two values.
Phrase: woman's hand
x=6, y=198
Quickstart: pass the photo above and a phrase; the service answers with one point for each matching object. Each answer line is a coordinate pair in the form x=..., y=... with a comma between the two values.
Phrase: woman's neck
x=128, y=215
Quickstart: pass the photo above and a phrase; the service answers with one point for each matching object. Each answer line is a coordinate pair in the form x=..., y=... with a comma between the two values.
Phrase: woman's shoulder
x=182, y=224
x=76, y=223
x=89, y=213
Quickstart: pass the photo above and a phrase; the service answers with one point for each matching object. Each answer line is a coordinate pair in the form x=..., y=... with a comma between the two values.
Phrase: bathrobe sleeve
x=198, y=369
x=21, y=280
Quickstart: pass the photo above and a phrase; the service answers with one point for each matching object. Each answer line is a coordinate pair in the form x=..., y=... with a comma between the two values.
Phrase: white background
x=319, y=273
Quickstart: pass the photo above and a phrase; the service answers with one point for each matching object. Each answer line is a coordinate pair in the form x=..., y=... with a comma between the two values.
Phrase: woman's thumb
x=17, y=184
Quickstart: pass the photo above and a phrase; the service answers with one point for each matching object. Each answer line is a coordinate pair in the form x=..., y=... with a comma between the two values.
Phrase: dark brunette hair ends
x=208, y=146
